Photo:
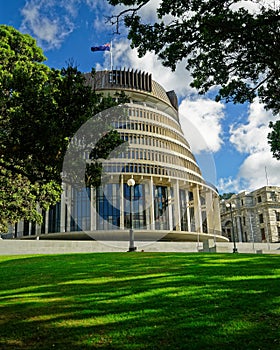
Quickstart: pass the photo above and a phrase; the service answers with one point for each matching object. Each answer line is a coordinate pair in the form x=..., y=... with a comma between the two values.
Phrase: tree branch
x=262, y=82
x=116, y=19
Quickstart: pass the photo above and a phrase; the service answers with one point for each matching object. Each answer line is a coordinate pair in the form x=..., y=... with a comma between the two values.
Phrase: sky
x=229, y=141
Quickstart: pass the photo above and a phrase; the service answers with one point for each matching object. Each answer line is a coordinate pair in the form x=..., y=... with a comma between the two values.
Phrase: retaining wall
x=19, y=247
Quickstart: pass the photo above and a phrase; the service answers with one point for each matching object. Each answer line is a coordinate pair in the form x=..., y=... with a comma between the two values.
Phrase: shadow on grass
x=140, y=301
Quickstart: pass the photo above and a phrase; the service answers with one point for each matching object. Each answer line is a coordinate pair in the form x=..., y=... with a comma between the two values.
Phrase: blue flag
x=105, y=47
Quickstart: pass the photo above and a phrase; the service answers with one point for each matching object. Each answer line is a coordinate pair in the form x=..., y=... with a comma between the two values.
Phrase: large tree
x=40, y=111
x=224, y=43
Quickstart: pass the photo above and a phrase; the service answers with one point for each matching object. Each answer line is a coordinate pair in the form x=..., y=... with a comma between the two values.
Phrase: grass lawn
x=140, y=301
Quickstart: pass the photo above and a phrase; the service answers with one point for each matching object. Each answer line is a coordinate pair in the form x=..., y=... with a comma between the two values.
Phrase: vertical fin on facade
x=173, y=99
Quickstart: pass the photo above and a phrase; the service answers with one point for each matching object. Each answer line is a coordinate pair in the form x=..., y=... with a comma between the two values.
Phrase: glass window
x=161, y=207
x=138, y=206
x=108, y=206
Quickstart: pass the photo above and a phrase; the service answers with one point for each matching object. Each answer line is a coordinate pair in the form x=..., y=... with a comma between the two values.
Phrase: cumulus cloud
x=254, y=6
x=148, y=12
x=201, y=123
x=48, y=25
x=252, y=136
x=259, y=168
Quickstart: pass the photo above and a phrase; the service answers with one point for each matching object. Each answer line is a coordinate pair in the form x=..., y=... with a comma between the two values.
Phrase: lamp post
x=131, y=184
x=232, y=206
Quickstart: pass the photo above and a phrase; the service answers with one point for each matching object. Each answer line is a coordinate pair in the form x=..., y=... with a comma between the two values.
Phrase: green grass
x=140, y=301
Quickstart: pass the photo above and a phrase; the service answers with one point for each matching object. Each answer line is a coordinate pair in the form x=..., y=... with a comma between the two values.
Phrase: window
x=263, y=234
x=259, y=199
x=108, y=206
x=277, y=215
x=261, y=218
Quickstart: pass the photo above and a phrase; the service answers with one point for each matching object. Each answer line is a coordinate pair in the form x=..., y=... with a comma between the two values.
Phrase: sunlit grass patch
x=140, y=301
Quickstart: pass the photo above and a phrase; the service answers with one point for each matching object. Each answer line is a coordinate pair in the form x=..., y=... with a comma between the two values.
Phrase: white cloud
x=254, y=5
x=50, y=22
x=251, y=139
x=252, y=136
x=231, y=184
x=260, y=169
x=201, y=123
x=148, y=12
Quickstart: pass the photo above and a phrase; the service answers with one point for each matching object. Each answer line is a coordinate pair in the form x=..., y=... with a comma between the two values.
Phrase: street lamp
x=131, y=184
x=232, y=206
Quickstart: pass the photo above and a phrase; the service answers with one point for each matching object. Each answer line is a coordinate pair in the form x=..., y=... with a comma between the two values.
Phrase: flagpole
x=111, y=54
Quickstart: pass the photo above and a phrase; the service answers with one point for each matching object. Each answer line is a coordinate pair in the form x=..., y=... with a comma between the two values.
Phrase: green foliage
x=226, y=195
x=40, y=111
x=223, y=46
x=19, y=197
x=140, y=301
x=223, y=43
x=274, y=139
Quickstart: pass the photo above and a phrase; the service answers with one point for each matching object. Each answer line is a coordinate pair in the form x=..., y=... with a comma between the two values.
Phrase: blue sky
x=229, y=141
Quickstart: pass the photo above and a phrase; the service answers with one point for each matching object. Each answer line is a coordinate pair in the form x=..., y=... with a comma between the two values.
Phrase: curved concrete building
x=171, y=200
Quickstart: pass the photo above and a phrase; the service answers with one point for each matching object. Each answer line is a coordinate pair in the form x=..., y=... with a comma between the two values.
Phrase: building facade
x=170, y=196
x=252, y=216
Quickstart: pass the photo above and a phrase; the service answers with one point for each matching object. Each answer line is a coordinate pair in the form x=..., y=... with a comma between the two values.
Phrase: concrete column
x=170, y=209
x=216, y=214
x=29, y=228
x=239, y=228
x=197, y=209
x=20, y=229
x=92, y=208
x=152, y=207
x=69, y=206
x=177, y=212
x=210, y=211
x=188, y=210
x=121, y=205
x=62, y=208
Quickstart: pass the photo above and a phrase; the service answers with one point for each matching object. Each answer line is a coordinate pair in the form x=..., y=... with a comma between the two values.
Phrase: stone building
x=252, y=216
x=171, y=200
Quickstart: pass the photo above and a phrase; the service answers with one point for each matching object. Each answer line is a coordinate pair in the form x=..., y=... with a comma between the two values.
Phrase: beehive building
x=171, y=200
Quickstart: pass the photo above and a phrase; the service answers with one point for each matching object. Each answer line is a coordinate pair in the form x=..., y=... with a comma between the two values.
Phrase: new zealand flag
x=105, y=47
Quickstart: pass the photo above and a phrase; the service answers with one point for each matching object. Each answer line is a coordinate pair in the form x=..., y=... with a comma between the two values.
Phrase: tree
x=40, y=111
x=274, y=139
x=226, y=195
x=223, y=45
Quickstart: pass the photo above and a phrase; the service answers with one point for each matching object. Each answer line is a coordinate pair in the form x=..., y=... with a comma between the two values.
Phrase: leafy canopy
x=40, y=111
x=274, y=139
x=223, y=44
